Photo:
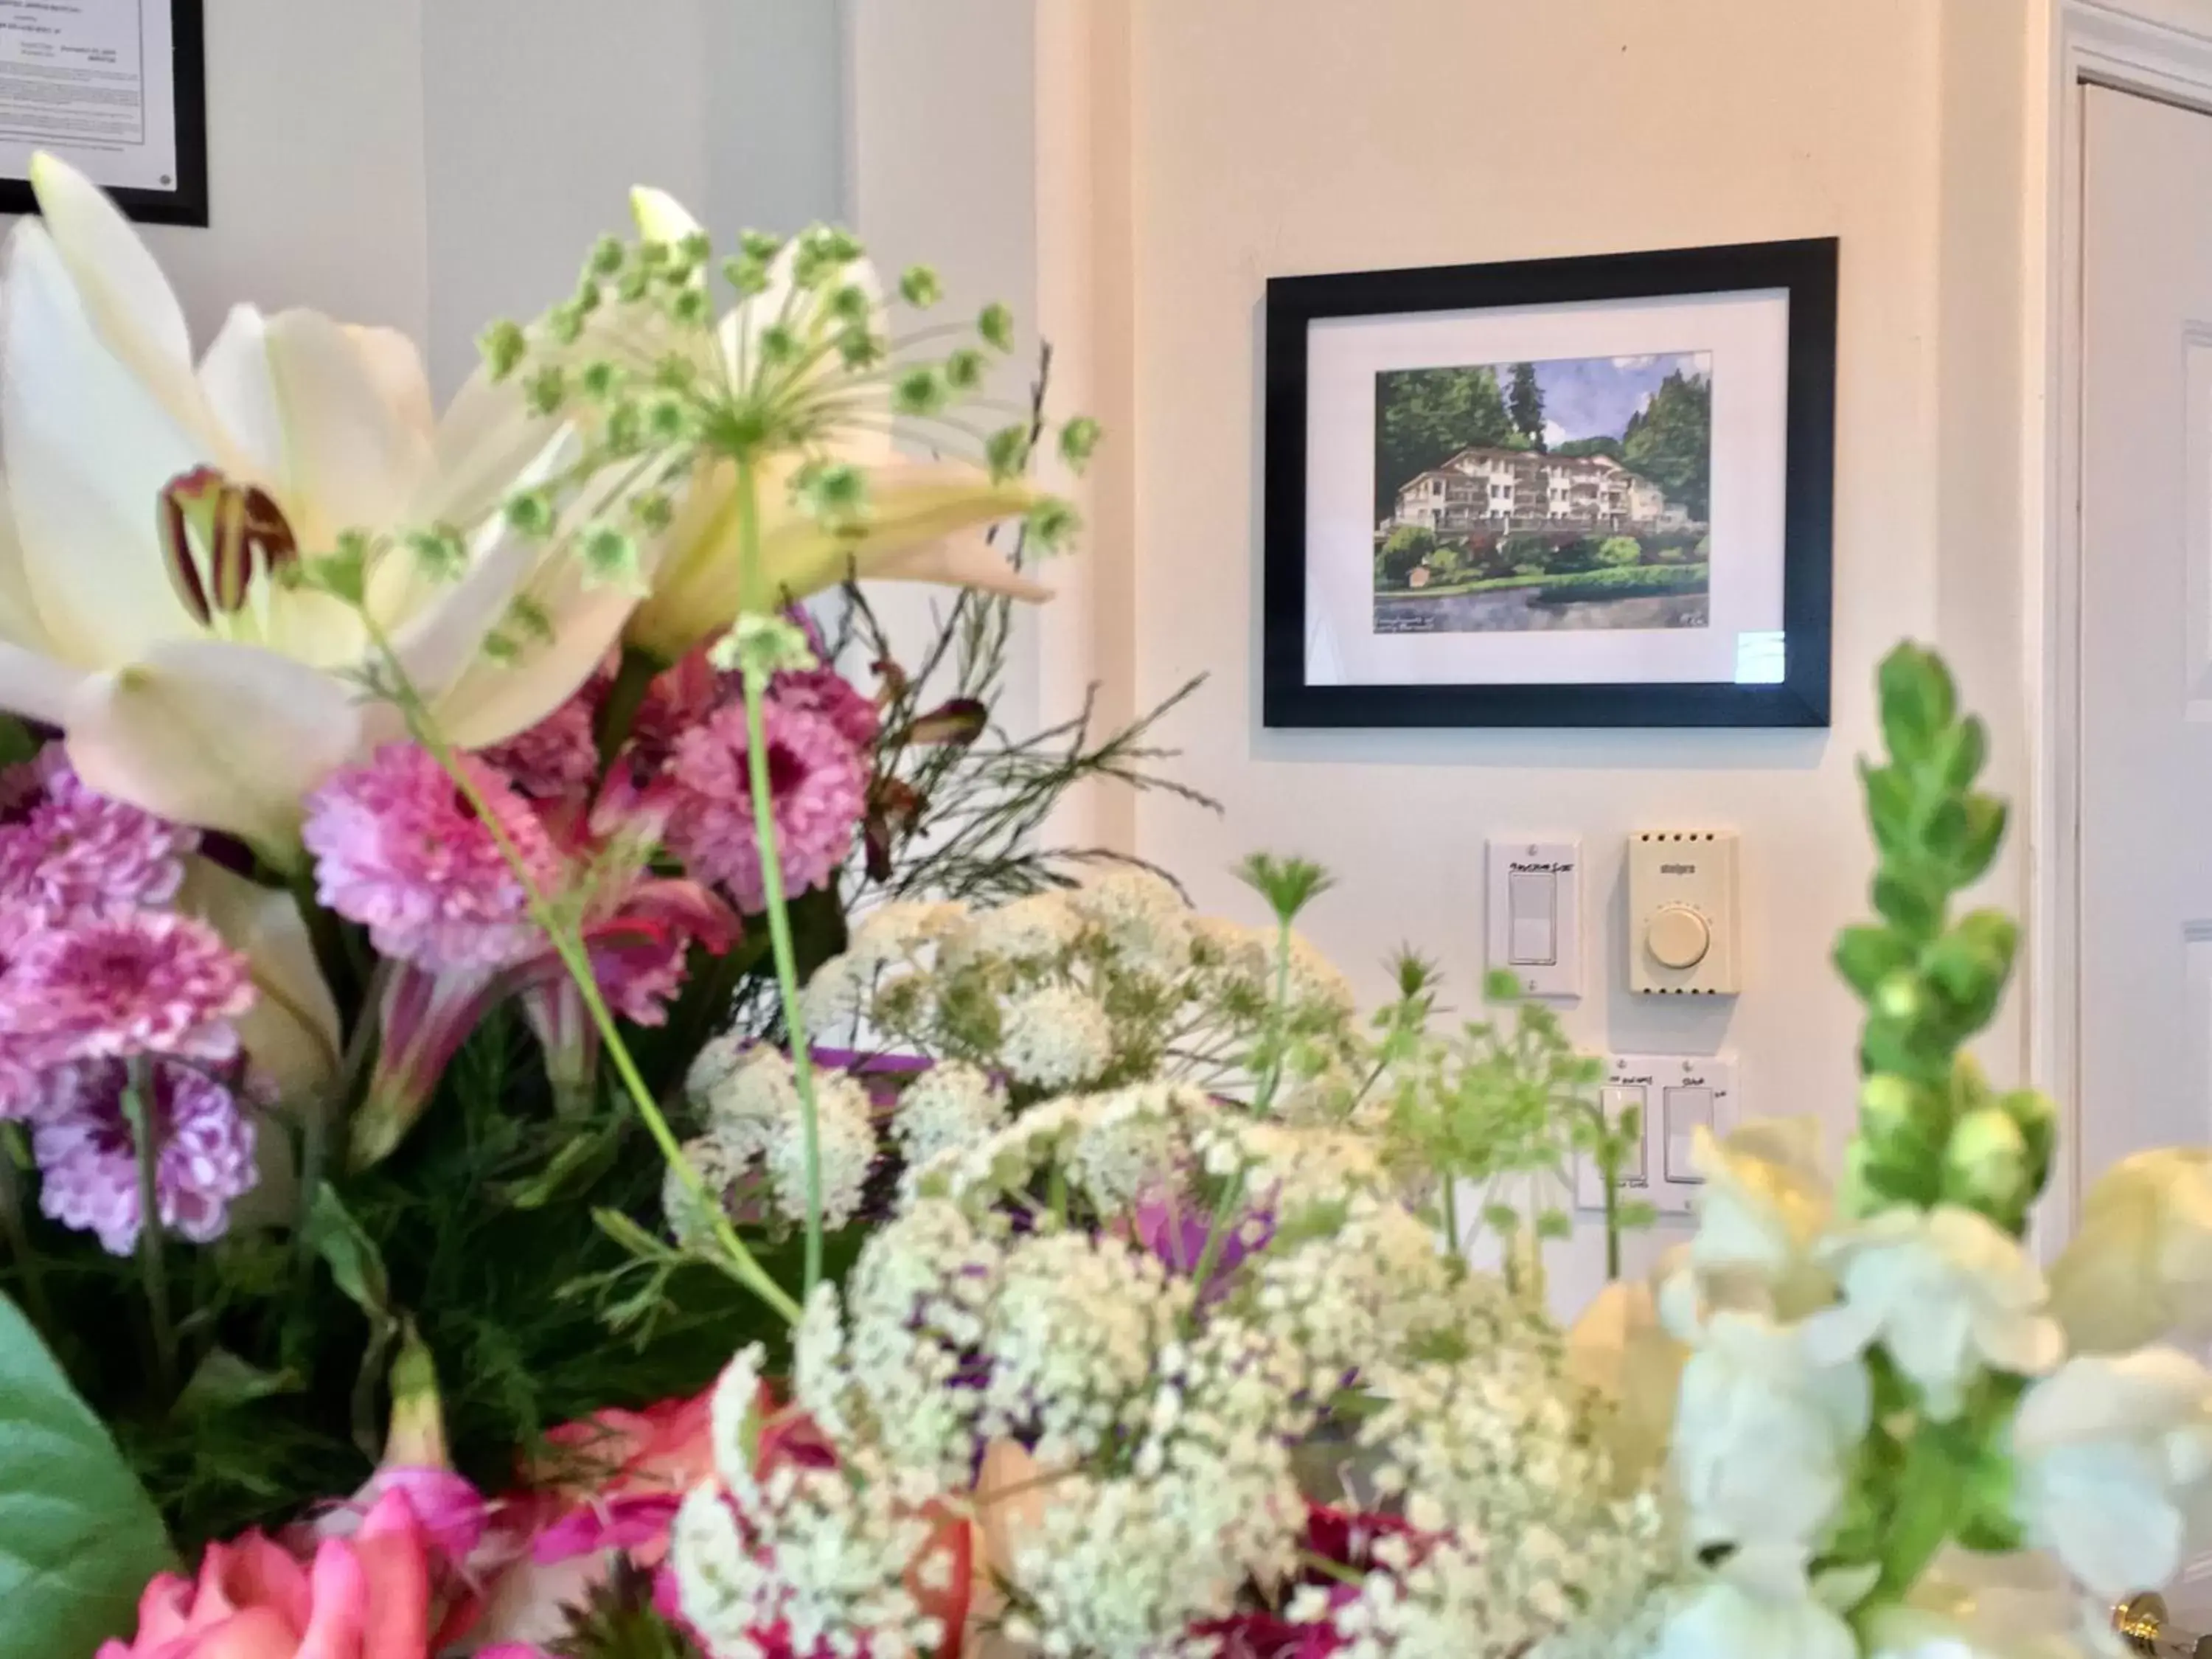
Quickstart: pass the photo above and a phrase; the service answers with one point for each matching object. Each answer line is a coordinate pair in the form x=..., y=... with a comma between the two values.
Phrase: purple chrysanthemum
x=67, y=851
x=88, y=1164
x=135, y=982
x=818, y=783
x=400, y=850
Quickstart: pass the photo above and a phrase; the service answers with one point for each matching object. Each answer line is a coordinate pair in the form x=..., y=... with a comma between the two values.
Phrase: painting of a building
x=1505, y=490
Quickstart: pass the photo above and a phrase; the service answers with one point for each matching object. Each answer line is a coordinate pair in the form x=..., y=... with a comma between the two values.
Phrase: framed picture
x=1557, y=492
x=118, y=88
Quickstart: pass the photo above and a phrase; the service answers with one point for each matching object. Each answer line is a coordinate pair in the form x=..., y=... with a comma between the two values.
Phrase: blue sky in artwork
x=1594, y=397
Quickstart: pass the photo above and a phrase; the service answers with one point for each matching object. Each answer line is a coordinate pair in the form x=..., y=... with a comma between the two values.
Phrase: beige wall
x=1276, y=136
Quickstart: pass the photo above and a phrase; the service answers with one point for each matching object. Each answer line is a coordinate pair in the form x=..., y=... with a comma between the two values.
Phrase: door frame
x=2159, y=49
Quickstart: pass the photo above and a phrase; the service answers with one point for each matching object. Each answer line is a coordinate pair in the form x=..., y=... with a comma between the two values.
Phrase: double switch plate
x=1674, y=1096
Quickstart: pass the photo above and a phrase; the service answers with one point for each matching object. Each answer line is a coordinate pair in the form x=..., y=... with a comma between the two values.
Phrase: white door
x=2146, y=559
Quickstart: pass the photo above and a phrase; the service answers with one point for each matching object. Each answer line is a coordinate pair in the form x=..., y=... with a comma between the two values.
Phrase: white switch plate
x=1536, y=914
x=1675, y=1092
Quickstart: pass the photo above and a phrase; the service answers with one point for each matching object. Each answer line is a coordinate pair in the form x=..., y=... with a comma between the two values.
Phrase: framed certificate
x=118, y=88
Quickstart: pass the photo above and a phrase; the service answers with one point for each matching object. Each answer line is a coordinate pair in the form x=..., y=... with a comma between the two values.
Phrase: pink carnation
x=400, y=850
x=87, y=1158
x=818, y=786
x=826, y=692
x=68, y=851
x=557, y=759
x=139, y=981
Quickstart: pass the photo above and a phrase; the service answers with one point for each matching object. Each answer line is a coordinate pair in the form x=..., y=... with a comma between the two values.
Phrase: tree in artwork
x=1402, y=551
x=1525, y=404
x=1670, y=442
x=1423, y=417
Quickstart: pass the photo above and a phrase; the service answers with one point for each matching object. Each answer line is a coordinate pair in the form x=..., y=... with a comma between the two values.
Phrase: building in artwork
x=1502, y=491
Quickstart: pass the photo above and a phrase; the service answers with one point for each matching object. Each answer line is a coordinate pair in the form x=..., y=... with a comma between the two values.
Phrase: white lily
x=923, y=520
x=150, y=503
x=2114, y=1466
x=2140, y=1269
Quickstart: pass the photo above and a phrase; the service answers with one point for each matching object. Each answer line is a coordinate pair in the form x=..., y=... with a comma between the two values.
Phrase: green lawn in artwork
x=1630, y=582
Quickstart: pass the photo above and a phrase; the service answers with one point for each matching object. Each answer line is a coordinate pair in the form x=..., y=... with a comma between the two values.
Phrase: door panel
x=2146, y=715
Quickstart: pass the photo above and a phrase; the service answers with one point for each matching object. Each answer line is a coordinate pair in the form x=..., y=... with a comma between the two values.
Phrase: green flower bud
x=851, y=305
x=565, y=323
x=437, y=553
x=1288, y=885
x=607, y=258
x=1901, y=997
x=695, y=250
x=759, y=245
x=1051, y=523
x=529, y=619
x=1007, y=451
x=652, y=510
x=530, y=513
x=1891, y=1108
x=1078, y=439
x=746, y=274
x=765, y=645
x=548, y=389
x=919, y=287
x=600, y=380
x=778, y=344
x=611, y=557
x=691, y=308
x=836, y=495
x=918, y=391
x=963, y=370
x=2037, y=1120
x=859, y=348
x=996, y=325
x=502, y=346
x=667, y=420
x=1985, y=1165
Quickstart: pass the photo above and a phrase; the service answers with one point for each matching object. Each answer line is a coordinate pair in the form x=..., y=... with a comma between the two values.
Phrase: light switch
x=1535, y=914
x=1688, y=1109
x=1532, y=919
x=1679, y=1093
x=1616, y=1100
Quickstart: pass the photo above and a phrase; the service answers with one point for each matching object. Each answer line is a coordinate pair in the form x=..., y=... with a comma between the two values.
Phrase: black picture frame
x=187, y=205
x=1806, y=268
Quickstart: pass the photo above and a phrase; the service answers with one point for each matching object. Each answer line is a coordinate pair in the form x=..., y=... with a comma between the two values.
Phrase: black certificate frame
x=186, y=204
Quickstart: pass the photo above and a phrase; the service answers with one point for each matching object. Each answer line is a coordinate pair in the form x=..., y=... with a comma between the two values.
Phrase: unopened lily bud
x=1890, y=1107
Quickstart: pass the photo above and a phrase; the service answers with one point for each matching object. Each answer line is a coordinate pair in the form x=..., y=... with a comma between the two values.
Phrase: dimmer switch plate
x=1683, y=928
x=1535, y=914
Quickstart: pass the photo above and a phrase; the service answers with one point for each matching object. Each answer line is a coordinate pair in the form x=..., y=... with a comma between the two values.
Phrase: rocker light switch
x=1535, y=914
x=1689, y=1108
x=1678, y=1094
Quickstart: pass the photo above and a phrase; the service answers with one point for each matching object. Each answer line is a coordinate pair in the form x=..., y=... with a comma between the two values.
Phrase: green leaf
x=1917, y=703
x=1867, y=956
x=1910, y=903
x=224, y=1383
x=350, y=1253
x=79, y=1537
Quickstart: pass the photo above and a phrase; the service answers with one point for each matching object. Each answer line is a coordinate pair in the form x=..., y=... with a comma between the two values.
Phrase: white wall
x=430, y=164
x=1276, y=137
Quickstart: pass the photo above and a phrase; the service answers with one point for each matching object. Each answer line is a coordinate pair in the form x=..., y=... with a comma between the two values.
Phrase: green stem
x=1231, y=1201
x=19, y=1239
x=738, y=1262
x=779, y=913
x=138, y=1110
x=618, y=714
x=1451, y=1212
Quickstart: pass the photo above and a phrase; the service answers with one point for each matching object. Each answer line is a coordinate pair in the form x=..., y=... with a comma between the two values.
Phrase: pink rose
x=363, y=1598
x=615, y=1480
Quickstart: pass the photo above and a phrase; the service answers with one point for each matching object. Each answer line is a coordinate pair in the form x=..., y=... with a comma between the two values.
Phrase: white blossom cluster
x=1017, y=1312
x=1110, y=983
x=754, y=1151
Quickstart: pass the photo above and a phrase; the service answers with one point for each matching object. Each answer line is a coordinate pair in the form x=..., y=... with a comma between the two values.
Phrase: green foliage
x=618, y=1620
x=1603, y=444
x=1525, y=550
x=1617, y=551
x=1670, y=442
x=79, y=1537
x=1931, y=1128
x=1524, y=403
x=1426, y=416
x=1506, y=1106
x=1447, y=562
x=1641, y=581
x=1288, y=885
x=1403, y=551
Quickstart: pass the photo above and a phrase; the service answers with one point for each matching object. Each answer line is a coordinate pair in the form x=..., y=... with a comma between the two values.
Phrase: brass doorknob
x=2140, y=1623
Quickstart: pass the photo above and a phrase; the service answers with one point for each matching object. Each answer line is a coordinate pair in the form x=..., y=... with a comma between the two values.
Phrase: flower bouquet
x=540, y=1118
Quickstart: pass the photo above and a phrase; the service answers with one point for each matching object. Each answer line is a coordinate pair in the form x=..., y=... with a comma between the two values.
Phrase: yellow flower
x=2140, y=1269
